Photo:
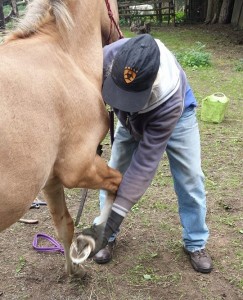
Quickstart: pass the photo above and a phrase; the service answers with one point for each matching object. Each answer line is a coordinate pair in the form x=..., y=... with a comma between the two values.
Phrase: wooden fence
x=159, y=11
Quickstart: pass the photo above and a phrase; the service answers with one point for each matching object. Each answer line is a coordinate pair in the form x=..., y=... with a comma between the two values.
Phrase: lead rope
x=110, y=14
x=111, y=115
x=111, y=112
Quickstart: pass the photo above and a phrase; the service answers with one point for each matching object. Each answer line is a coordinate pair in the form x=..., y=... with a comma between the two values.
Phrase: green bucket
x=214, y=108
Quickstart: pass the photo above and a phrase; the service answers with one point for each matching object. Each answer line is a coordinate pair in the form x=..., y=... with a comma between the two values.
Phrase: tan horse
x=52, y=116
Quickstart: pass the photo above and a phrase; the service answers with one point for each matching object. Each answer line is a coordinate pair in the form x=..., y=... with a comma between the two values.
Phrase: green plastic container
x=214, y=108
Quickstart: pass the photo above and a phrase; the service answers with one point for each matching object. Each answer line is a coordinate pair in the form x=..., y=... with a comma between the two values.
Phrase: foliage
x=21, y=264
x=239, y=65
x=180, y=17
x=13, y=19
x=195, y=57
x=6, y=9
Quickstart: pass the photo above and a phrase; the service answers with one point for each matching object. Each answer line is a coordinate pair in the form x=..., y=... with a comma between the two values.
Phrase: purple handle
x=55, y=248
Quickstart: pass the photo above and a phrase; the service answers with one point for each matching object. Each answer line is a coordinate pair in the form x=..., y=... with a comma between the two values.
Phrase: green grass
x=142, y=275
x=6, y=9
x=239, y=65
x=21, y=264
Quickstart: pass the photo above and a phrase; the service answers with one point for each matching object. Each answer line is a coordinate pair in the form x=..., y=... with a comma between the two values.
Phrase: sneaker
x=200, y=260
x=104, y=255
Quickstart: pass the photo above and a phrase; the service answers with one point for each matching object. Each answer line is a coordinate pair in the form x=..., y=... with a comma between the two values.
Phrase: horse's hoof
x=81, y=249
x=78, y=271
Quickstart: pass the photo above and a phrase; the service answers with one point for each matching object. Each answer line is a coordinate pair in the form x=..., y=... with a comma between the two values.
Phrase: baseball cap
x=133, y=73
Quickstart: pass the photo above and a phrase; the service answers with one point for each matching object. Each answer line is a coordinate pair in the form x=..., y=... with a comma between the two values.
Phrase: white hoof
x=81, y=249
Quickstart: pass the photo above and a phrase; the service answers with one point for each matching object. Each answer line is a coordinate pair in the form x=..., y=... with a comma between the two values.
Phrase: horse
x=52, y=115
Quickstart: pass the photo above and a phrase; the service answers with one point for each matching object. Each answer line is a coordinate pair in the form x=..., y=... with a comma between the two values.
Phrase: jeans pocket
x=189, y=111
x=188, y=118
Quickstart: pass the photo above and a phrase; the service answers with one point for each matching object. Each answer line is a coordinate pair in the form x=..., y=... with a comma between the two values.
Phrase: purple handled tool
x=55, y=248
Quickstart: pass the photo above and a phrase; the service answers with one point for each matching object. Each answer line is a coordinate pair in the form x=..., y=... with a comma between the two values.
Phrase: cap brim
x=124, y=100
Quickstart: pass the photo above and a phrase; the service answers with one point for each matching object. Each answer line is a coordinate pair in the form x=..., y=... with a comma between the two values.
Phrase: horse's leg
x=54, y=194
x=98, y=176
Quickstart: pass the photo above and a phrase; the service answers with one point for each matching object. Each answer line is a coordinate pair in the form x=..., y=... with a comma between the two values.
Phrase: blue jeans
x=184, y=154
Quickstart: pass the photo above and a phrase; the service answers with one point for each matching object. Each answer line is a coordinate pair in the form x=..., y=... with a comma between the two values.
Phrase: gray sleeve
x=145, y=160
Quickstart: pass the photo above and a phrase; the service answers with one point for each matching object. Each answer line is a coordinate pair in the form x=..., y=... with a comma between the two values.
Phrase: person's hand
x=87, y=244
x=93, y=239
x=96, y=232
x=101, y=233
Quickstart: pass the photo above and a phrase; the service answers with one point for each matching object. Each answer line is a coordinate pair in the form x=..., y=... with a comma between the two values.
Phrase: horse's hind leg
x=54, y=194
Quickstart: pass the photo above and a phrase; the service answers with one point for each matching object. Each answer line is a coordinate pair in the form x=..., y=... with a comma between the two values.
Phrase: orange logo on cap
x=129, y=74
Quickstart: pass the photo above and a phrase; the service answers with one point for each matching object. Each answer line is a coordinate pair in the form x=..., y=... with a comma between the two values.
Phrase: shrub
x=239, y=65
x=180, y=17
x=196, y=57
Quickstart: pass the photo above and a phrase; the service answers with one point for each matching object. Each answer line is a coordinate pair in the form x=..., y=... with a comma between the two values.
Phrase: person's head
x=133, y=73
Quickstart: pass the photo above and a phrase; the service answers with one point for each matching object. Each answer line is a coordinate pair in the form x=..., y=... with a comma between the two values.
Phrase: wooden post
x=160, y=13
x=15, y=8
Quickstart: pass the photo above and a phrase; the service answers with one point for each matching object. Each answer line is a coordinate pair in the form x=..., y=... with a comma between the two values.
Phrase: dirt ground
x=149, y=262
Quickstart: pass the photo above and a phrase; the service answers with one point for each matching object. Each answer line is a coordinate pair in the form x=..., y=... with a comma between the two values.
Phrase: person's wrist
x=113, y=223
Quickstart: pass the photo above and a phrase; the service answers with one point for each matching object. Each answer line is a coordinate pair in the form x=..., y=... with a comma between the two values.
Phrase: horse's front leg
x=90, y=240
x=54, y=194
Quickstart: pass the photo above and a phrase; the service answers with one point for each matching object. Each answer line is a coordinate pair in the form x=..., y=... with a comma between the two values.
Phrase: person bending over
x=155, y=106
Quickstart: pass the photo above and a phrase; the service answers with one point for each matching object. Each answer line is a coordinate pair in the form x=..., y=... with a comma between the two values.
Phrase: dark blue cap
x=133, y=73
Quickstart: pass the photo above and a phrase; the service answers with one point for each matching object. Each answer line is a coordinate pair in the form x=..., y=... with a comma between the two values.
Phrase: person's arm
x=145, y=160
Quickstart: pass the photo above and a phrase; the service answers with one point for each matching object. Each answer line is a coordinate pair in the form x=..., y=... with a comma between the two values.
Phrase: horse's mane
x=38, y=13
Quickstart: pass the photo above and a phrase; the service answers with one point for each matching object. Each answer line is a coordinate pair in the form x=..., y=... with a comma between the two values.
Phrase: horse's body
x=52, y=116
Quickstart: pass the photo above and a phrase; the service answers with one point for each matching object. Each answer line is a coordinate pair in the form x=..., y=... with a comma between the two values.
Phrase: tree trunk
x=2, y=22
x=209, y=12
x=226, y=11
x=213, y=11
x=237, y=15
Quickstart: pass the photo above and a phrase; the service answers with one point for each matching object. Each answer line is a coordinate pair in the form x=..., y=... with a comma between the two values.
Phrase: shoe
x=200, y=260
x=105, y=255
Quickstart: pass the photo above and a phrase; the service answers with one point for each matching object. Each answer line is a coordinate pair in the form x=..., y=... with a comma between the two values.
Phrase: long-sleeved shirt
x=152, y=126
